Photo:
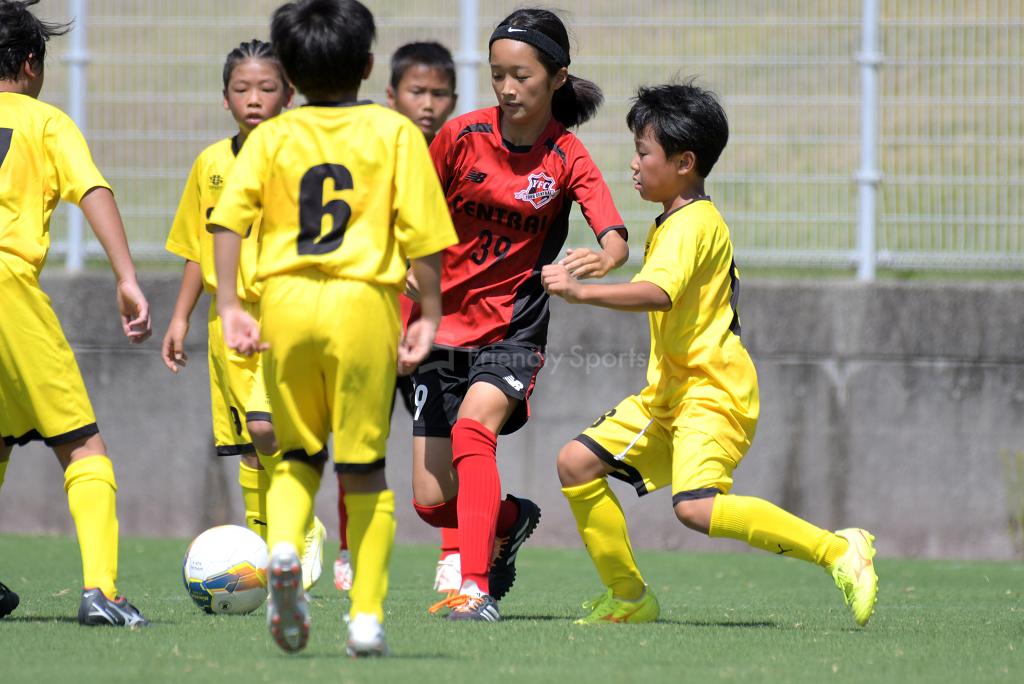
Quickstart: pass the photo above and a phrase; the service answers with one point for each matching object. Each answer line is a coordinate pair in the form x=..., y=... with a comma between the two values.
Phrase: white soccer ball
x=225, y=570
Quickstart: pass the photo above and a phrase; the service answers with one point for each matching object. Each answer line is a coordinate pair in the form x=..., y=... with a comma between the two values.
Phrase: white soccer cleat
x=343, y=571
x=313, y=556
x=448, y=577
x=366, y=637
x=287, y=610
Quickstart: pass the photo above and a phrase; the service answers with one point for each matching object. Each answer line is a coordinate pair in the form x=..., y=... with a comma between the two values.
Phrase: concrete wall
x=892, y=407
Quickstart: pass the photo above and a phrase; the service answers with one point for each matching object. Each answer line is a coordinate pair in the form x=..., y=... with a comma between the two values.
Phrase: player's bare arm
x=172, y=350
x=241, y=331
x=588, y=263
x=415, y=344
x=101, y=212
x=637, y=296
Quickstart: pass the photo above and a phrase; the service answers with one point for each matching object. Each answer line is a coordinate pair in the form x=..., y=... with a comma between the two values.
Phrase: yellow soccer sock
x=255, y=484
x=764, y=525
x=92, y=498
x=371, y=533
x=290, y=503
x=602, y=526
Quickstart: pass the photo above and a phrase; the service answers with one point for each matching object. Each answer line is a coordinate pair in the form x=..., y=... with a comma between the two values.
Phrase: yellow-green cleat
x=607, y=608
x=313, y=555
x=854, y=574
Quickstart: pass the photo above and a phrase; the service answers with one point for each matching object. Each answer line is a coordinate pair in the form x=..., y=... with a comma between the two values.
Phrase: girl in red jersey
x=510, y=174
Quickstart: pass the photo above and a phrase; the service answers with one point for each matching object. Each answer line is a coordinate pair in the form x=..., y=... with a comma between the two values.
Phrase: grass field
x=726, y=617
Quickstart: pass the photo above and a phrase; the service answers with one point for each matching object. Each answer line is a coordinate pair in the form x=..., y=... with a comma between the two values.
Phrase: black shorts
x=444, y=377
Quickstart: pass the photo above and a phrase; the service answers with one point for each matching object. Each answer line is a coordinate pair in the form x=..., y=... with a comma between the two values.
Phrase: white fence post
x=467, y=57
x=868, y=176
x=77, y=58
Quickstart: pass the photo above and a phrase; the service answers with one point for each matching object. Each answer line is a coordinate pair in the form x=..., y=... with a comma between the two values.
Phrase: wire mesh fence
x=951, y=139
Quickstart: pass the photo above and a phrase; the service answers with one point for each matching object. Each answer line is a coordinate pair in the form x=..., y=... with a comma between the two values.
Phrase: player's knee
x=5, y=452
x=695, y=513
x=363, y=483
x=578, y=465
x=262, y=434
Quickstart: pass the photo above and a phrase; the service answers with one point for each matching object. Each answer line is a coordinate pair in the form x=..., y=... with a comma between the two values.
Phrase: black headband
x=534, y=38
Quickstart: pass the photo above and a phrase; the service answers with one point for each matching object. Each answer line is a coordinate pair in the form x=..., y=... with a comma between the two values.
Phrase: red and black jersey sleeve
x=510, y=206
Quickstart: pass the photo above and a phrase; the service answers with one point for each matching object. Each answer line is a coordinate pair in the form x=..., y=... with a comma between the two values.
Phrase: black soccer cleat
x=8, y=600
x=503, y=568
x=475, y=608
x=97, y=609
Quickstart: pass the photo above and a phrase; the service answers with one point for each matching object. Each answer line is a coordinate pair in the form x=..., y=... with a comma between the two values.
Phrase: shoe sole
x=376, y=650
x=497, y=580
x=288, y=622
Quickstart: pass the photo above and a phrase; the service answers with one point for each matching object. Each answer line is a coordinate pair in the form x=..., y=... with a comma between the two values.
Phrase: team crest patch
x=216, y=180
x=540, y=191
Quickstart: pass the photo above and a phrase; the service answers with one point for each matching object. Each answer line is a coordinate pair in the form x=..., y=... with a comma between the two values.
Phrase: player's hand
x=415, y=345
x=412, y=290
x=134, y=310
x=557, y=281
x=172, y=350
x=587, y=263
x=241, y=332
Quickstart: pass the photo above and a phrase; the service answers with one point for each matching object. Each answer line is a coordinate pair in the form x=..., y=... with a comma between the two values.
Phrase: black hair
x=683, y=118
x=253, y=49
x=23, y=36
x=432, y=55
x=324, y=45
x=579, y=99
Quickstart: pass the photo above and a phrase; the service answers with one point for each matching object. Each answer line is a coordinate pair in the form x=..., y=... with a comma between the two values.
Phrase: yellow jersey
x=348, y=189
x=43, y=158
x=189, y=238
x=699, y=373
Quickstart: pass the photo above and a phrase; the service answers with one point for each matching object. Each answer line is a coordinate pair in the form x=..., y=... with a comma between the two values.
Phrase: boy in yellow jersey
x=255, y=89
x=44, y=158
x=422, y=86
x=695, y=419
x=347, y=193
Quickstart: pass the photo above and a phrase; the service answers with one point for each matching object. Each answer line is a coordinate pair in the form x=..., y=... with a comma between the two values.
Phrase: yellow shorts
x=650, y=455
x=42, y=395
x=331, y=366
x=234, y=381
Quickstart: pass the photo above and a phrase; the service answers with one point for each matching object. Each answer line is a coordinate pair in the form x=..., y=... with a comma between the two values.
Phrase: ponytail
x=578, y=99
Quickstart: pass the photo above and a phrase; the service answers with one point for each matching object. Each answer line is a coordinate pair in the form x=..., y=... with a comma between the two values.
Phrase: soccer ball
x=225, y=570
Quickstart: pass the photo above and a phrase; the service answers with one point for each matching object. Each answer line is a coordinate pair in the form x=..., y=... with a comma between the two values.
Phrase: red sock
x=442, y=515
x=449, y=541
x=342, y=516
x=473, y=451
x=507, y=516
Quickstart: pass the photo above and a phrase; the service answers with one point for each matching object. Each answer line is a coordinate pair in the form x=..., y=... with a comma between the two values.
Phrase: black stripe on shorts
x=235, y=449
x=358, y=468
x=258, y=415
x=316, y=460
x=622, y=471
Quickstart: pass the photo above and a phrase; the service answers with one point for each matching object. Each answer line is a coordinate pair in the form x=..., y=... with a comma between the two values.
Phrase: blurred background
x=944, y=118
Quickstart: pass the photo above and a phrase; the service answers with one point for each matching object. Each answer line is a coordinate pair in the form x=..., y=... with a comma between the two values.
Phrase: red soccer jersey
x=510, y=206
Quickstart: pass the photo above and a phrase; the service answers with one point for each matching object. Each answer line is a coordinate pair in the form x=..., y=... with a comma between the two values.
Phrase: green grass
x=728, y=617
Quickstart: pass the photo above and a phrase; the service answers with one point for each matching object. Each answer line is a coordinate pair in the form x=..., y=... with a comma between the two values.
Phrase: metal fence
x=950, y=123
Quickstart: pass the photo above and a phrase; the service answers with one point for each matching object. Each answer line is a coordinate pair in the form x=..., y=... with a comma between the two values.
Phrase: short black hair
x=683, y=118
x=431, y=55
x=252, y=49
x=23, y=36
x=324, y=45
